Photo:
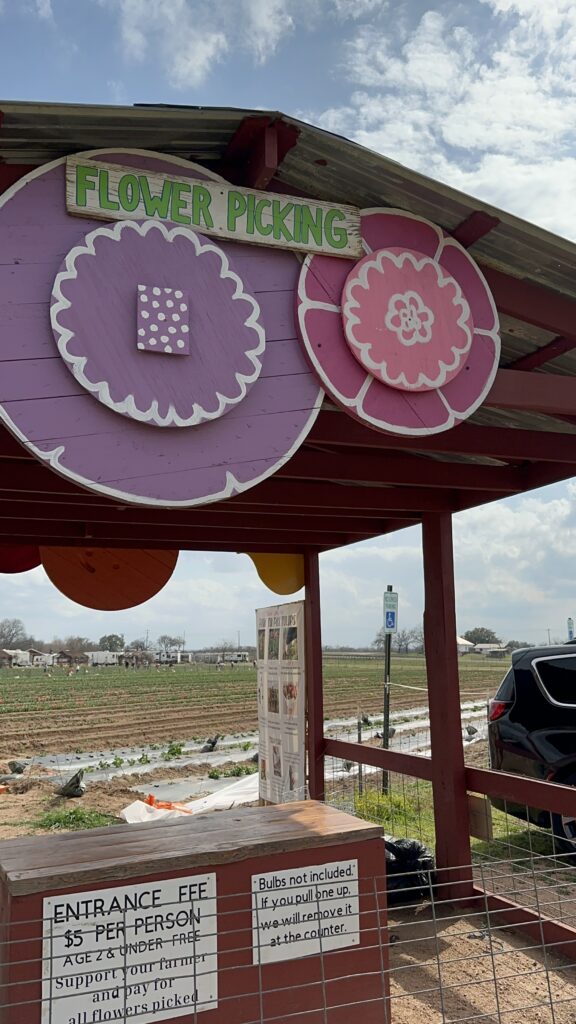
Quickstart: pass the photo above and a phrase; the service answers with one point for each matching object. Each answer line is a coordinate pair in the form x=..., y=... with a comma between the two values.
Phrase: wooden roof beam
x=532, y=303
x=338, y=430
x=541, y=356
x=408, y=470
x=214, y=518
x=548, y=393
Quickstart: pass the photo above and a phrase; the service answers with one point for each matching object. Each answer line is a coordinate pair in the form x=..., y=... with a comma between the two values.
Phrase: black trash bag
x=410, y=870
x=211, y=744
x=75, y=786
x=17, y=767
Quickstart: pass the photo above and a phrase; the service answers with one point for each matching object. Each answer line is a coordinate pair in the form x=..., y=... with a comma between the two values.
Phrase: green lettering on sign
x=155, y=206
x=129, y=192
x=179, y=203
x=260, y=206
x=110, y=191
x=105, y=202
x=280, y=211
x=236, y=208
x=85, y=181
x=201, y=200
x=338, y=237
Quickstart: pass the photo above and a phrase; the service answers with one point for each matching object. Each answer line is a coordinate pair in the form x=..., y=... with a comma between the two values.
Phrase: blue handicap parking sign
x=390, y=620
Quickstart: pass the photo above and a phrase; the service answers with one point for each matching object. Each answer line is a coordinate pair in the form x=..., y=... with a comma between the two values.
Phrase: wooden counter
x=235, y=917
x=40, y=863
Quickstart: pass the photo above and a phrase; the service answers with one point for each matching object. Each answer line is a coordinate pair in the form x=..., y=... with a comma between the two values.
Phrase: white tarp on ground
x=244, y=791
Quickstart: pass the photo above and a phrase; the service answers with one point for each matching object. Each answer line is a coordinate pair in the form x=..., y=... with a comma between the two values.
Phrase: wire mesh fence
x=318, y=957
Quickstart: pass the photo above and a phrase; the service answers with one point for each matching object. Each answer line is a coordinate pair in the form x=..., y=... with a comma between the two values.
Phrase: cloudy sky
x=480, y=94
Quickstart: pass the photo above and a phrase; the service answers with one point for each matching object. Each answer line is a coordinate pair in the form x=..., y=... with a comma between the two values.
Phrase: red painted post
x=448, y=769
x=314, y=682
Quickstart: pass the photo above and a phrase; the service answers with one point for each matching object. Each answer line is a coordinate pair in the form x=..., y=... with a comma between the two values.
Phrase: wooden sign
x=480, y=817
x=105, y=191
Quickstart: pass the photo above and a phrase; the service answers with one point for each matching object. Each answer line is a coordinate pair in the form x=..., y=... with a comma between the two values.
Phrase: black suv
x=532, y=728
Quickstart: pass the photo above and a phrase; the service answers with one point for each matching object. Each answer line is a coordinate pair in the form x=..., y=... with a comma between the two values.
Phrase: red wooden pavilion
x=347, y=482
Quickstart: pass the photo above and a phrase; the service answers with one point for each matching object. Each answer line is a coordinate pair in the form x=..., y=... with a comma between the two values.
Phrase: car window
x=558, y=678
x=506, y=689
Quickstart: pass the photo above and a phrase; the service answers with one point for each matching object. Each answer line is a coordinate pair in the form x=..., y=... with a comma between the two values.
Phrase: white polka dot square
x=162, y=320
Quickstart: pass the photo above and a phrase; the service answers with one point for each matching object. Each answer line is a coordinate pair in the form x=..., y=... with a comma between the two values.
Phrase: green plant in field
x=143, y=759
x=246, y=745
x=235, y=772
x=238, y=770
x=73, y=820
x=406, y=812
x=104, y=765
x=118, y=761
x=173, y=751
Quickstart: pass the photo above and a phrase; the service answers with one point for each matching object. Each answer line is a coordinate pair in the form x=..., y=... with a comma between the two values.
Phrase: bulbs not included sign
x=112, y=192
x=146, y=952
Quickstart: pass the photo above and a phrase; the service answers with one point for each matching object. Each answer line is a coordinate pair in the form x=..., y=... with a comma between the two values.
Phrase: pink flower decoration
x=406, y=339
x=406, y=320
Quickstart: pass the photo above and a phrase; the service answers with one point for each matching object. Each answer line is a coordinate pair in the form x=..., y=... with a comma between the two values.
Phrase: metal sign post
x=390, y=627
x=570, y=629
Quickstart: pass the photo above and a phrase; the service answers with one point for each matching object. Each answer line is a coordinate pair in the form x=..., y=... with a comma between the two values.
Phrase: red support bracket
x=474, y=228
x=257, y=150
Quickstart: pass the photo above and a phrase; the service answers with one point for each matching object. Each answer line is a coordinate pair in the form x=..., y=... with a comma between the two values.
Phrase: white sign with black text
x=281, y=702
x=305, y=911
x=147, y=952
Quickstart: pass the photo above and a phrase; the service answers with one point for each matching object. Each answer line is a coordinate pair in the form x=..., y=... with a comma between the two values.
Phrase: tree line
x=15, y=636
x=406, y=640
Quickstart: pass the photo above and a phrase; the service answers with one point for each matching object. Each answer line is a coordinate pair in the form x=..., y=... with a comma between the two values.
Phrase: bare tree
x=12, y=633
x=402, y=640
x=168, y=643
x=417, y=634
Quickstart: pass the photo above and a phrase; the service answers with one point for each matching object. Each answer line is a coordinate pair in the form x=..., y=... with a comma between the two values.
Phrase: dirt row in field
x=41, y=715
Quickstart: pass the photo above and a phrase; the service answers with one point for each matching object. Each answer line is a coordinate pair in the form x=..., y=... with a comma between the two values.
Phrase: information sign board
x=390, y=612
x=302, y=911
x=146, y=952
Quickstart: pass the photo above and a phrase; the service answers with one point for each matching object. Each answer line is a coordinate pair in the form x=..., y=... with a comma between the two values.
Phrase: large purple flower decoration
x=168, y=371
x=109, y=326
x=406, y=339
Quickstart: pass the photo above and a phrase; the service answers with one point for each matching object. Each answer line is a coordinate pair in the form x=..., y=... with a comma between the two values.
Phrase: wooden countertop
x=38, y=864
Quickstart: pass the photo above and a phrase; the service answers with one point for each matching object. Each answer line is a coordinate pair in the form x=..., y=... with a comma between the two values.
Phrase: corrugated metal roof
x=323, y=165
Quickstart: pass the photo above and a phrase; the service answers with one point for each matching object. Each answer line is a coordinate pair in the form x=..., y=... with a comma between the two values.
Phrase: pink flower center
x=406, y=320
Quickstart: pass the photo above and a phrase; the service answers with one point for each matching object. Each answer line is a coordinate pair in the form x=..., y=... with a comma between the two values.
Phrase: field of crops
x=103, y=708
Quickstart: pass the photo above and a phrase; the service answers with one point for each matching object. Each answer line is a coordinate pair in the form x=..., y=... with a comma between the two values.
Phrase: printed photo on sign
x=290, y=699
x=276, y=748
x=261, y=644
x=290, y=647
x=273, y=644
x=273, y=700
x=146, y=952
x=305, y=911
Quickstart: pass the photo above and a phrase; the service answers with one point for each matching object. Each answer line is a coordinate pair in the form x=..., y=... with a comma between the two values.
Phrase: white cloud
x=189, y=38
x=44, y=10
x=481, y=95
x=268, y=21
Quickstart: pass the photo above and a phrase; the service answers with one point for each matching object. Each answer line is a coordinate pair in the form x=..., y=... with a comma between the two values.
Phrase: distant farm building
x=491, y=650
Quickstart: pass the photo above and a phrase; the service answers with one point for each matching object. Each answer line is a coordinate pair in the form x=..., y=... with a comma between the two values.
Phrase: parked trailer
x=99, y=659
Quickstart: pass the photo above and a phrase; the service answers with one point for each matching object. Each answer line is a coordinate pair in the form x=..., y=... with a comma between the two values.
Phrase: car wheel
x=564, y=828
